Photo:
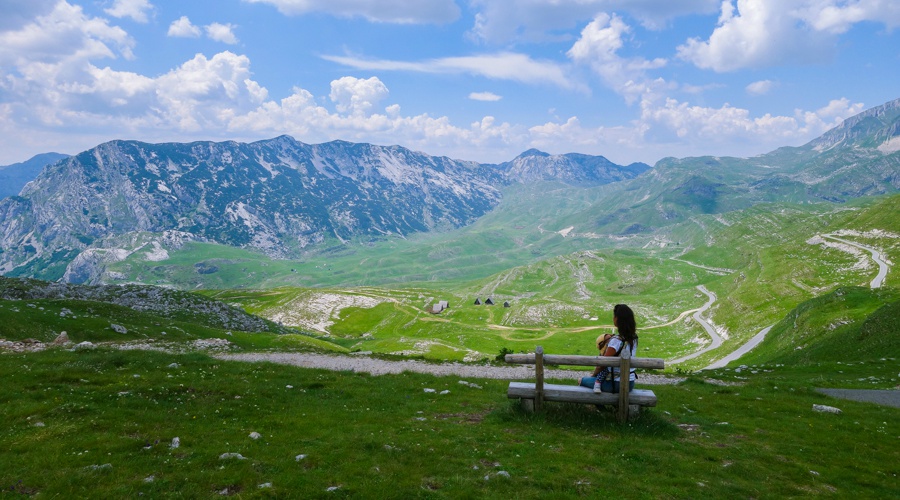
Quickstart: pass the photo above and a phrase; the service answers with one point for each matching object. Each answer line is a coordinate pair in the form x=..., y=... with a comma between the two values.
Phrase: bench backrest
x=574, y=360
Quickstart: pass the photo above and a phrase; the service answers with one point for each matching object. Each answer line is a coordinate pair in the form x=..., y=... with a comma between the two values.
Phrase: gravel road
x=880, y=397
x=361, y=363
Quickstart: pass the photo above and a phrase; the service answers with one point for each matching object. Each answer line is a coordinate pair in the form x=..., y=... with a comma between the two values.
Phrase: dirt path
x=358, y=363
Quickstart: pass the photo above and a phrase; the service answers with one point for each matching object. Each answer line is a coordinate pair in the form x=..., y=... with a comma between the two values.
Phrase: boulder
x=826, y=409
x=62, y=339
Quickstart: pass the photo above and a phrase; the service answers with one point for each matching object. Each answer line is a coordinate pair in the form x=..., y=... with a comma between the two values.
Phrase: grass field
x=101, y=423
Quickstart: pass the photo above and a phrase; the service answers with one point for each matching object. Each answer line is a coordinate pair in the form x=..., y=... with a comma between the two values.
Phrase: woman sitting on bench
x=606, y=379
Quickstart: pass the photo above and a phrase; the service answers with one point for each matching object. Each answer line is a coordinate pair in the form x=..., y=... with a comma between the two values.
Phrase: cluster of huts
x=489, y=302
x=442, y=305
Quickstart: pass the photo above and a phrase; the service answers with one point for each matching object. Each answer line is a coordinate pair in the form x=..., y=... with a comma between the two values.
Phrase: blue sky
x=483, y=80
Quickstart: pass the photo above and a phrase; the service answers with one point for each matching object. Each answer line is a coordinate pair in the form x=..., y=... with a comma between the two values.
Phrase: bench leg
x=527, y=405
x=633, y=411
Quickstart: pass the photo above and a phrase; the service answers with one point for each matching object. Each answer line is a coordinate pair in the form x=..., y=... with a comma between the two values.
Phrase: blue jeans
x=607, y=385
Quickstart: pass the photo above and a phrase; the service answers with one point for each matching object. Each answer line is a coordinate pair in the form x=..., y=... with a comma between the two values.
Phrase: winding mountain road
x=883, y=266
x=877, y=282
x=744, y=349
x=716, y=339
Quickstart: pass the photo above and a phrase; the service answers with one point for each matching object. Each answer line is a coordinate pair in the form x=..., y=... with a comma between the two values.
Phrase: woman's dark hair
x=625, y=323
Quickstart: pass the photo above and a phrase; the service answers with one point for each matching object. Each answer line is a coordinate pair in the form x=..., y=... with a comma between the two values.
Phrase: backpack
x=608, y=373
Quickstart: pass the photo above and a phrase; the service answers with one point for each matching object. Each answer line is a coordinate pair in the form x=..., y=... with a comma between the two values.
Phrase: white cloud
x=762, y=33
x=501, y=66
x=356, y=96
x=727, y=125
x=62, y=36
x=502, y=21
x=838, y=16
x=761, y=87
x=135, y=9
x=597, y=48
x=208, y=93
x=221, y=33
x=384, y=11
x=484, y=96
x=182, y=27
x=756, y=33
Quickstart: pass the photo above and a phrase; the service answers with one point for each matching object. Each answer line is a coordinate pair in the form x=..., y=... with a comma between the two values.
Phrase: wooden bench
x=532, y=396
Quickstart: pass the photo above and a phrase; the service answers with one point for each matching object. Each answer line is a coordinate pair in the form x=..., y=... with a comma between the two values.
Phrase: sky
x=482, y=80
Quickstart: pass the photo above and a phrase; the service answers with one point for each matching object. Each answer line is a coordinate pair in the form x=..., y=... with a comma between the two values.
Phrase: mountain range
x=278, y=196
x=283, y=197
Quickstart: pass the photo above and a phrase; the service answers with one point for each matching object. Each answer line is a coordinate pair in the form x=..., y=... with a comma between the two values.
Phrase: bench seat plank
x=578, y=394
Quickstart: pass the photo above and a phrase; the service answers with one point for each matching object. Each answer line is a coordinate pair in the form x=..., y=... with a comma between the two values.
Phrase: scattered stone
x=176, y=442
x=288, y=387
x=211, y=344
x=265, y=485
x=174, y=365
x=255, y=435
x=333, y=488
x=99, y=467
x=85, y=345
x=299, y=457
x=39, y=424
x=503, y=473
x=118, y=328
x=149, y=479
x=474, y=386
x=826, y=409
x=429, y=390
x=62, y=339
x=226, y=456
x=445, y=392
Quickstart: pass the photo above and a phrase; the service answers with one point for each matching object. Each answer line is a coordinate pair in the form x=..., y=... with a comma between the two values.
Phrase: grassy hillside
x=848, y=325
x=563, y=303
x=40, y=311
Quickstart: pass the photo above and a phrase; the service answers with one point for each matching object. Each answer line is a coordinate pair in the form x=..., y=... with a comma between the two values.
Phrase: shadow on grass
x=589, y=418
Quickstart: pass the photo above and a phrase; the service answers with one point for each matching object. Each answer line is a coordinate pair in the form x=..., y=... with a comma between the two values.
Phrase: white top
x=616, y=343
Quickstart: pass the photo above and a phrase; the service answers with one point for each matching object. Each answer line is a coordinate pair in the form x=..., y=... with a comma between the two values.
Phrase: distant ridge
x=572, y=168
x=14, y=177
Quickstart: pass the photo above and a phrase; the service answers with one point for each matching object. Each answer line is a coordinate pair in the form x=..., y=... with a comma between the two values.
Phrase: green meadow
x=101, y=423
